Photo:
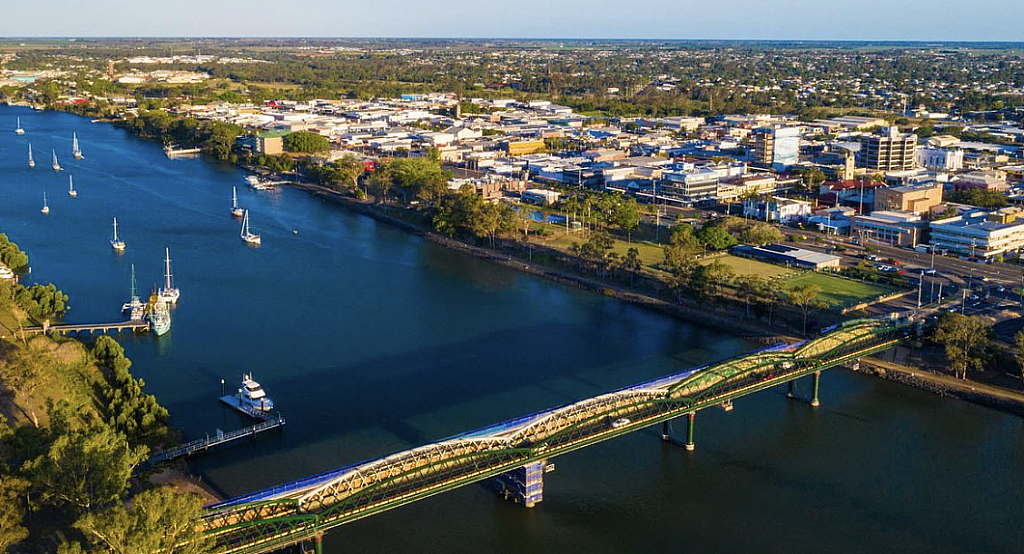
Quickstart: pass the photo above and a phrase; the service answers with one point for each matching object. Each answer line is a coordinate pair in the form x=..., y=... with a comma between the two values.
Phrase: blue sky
x=997, y=20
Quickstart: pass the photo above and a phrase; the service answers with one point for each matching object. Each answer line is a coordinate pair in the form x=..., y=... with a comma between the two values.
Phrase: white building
x=978, y=234
x=777, y=208
x=939, y=159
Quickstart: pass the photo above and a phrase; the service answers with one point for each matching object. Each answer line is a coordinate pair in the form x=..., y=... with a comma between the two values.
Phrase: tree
x=159, y=521
x=632, y=264
x=1018, y=341
x=306, y=142
x=85, y=465
x=626, y=215
x=129, y=410
x=715, y=237
x=42, y=301
x=707, y=279
x=805, y=297
x=759, y=233
x=11, y=515
x=965, y=339
x=350, y=169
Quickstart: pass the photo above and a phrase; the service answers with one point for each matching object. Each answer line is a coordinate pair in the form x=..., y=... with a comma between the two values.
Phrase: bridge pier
x=689, y=431
x=790, y=390
x=524, y=485
x=814, y=398
x=666, y=430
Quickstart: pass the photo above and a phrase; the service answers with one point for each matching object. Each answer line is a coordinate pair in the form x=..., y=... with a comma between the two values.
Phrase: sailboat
x=56, y=166
x=116, y=243
x=134, y=305
x=18, y=130
x=31, y=162
x=250, y=238
x=46, y=209
x=235, y=210
x=169, y=293
x=74, y=147
x=71, y=188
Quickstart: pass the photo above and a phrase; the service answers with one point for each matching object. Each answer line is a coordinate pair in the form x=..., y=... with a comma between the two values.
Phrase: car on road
x=872, y=258
x=1001, y=288
x=931, y=272
x=885, y=268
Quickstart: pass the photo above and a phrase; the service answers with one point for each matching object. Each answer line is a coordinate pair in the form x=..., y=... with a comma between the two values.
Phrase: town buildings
x=890, y=151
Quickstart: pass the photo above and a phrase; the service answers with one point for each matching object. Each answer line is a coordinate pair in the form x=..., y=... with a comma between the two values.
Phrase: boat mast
x=135, y=293
x=245, y=224
x=167, y=261
x=234, y=198
x=115, y=240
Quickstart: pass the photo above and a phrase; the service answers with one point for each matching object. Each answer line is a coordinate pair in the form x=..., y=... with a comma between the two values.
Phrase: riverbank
x=971, y=391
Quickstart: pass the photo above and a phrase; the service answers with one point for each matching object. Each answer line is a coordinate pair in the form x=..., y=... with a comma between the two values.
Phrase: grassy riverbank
x=75, y=426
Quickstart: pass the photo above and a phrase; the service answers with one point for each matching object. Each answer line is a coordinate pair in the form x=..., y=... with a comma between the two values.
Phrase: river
x=371, y=340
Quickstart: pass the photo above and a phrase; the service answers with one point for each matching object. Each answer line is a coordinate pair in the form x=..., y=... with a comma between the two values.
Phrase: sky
x=902, y=20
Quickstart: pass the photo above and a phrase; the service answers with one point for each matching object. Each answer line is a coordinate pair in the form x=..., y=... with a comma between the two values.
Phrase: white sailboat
x=18, y=130
x=71, y=187
x=235, y=210
x=169, y=293
x=56, y=166
x=31, y=162
x=116, y=243
x=46, y=208
x=248, y=237
x=134, y=305
x=74, y=147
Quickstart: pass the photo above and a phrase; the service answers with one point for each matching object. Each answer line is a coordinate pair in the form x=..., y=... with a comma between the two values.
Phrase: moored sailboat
x=235, y=210
x=31, y=162
x=56, y=166
x=169, y=293
x=74, y=147
x=134, y=305
x=46, y=208
x=71, y=187
x=18, y=130
x=116, y=243
x=249, y=237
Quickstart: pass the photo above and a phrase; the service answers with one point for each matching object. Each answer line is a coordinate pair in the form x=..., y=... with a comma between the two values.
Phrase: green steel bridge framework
x=303, y=510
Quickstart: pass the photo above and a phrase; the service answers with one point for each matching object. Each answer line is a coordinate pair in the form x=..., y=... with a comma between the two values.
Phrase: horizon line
x=510, y=38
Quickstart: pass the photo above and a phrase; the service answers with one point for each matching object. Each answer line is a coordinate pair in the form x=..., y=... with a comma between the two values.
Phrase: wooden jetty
x=200, y=445
x=67, y=329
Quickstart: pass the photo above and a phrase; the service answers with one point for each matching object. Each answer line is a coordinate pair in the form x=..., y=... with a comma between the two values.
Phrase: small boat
x=46, y=209
x=56, y=166
x=71, y=188
x=74, y=147
x=159, y=315
x=18, y=130
x=252, y=395
x=250, y=238
x=168, y=293
x=31, y=162
x=235, y=210
x=116, y=243
x=258, y=184
x=134, y=305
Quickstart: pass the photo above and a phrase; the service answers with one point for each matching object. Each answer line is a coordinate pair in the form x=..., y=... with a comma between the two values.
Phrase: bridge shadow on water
x=378, y=406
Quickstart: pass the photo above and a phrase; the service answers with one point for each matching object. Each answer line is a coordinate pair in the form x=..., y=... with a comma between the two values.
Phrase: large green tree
x=715, y=237
x=805, y=297
x=966, y=340
x=159, y=521
x=306, y=142
x=86, y=465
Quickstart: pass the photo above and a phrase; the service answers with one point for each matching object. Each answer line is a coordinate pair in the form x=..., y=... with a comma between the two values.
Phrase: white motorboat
x=253, y=396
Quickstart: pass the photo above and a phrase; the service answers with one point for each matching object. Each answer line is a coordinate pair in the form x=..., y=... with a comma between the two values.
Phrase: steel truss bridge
x=304, y=509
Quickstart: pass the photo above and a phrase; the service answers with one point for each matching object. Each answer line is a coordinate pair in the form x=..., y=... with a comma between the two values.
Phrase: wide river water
x=371, y=341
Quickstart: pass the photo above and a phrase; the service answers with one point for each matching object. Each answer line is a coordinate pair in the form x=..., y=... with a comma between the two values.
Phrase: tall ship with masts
x=169, y=293
x=116, y=243
x=74, y=147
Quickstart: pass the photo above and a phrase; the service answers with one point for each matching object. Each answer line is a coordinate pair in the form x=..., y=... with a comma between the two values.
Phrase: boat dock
x=201, y=445
x=233, y=401
x=173, y=152
x=67, y=329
